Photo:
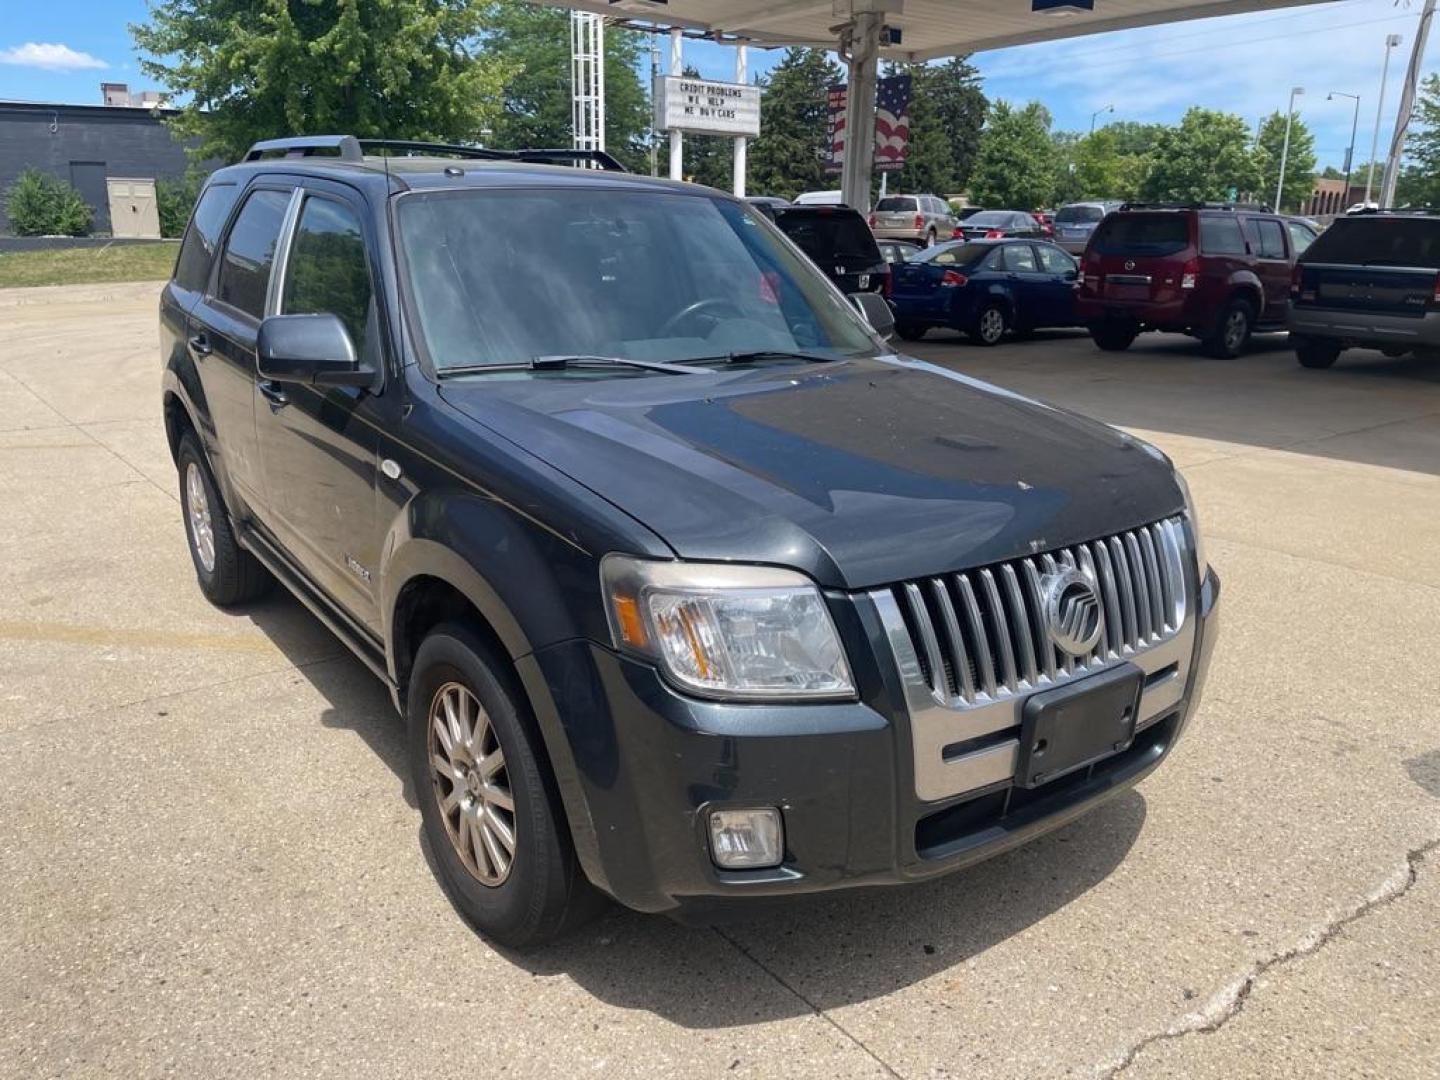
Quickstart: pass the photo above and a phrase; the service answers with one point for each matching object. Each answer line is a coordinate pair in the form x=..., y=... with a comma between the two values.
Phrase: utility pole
x=741, y=76
x=654, y=78
x=1407, y=105
x=1285, y=150
x=1354, y=126
x=677, y=140
x=1391, y=40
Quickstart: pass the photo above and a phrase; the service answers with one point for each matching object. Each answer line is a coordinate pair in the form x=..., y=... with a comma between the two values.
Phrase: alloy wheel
x=202, y=530
x=1236, y=325
x=472, y=783
x=992, y=325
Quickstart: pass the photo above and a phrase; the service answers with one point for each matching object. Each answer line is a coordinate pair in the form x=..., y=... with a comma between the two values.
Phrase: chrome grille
x=980, y=635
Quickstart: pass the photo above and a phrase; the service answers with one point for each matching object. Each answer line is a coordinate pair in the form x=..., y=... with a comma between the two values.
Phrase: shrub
x=175, y=199
x=40, y=205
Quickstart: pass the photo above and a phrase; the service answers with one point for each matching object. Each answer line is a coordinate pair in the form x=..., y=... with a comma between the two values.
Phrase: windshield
x=1142, y=234
x=957, y=254
x=500, y=277
x=1395, y=240
x=1078, y=215
x=896, y=202
x=991, y=218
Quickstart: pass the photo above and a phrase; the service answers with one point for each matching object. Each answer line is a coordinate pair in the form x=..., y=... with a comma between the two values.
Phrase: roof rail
x=345, y=147
x=1258, y=207
x=349, y=148
x=1394, y=210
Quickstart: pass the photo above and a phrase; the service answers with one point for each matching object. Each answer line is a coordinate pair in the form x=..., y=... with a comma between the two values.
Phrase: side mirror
x=876, y=311
x=314, y=349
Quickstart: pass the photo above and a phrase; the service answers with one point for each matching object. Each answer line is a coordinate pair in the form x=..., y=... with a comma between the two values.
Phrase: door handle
x=274, y=393
x=200, y=345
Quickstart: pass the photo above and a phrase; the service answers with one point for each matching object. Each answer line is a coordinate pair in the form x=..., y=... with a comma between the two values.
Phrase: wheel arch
x=1245, y=285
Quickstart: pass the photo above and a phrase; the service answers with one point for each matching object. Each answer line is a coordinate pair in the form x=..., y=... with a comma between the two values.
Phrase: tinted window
x=198, y=247
x=1020, y=258
x=327, y=270
x=1221, y=236
x=827, y=235
x=1270, y=238
x=1075, y=215
x=990, y=219
x=250, y=252
x=1055, y=261
x=1142, y=234
x=1301, y=236
x=1389, y=240
x=503, y=276
x=954, y=254
x=896, y=203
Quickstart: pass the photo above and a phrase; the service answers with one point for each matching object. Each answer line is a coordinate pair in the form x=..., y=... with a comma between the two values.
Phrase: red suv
x=1214, y=271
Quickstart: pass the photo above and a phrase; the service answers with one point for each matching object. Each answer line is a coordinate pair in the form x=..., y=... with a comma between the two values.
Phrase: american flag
x=892, y=124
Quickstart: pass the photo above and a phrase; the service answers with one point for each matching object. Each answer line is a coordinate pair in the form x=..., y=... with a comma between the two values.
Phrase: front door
x=1272, y=264
x=319, y=444
x=1027, y=284
x=1060, y=273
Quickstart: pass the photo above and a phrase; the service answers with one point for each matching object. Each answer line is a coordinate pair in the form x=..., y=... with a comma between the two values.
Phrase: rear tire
x=1232, y=329
x=227, y=573
x=1316, y=354
x=1113, y=336
x=910, y=332
x=498, y=837
x=990, y=325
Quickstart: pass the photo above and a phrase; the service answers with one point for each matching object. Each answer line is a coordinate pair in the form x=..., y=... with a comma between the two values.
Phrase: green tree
x=253, y=69
x=1133, y=138
x=1419, y=182
x=39, y=204
x=947, y=111
x=1299, y=163
x=788, y=157
x=1017, y=166
x=1098, y=165
x=1206, y=157
x=532, y=43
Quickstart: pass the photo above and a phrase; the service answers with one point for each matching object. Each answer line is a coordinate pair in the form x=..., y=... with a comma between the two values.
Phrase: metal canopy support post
x=587, y=80
x=677, y=140
x=741, y=143
x=864, y=59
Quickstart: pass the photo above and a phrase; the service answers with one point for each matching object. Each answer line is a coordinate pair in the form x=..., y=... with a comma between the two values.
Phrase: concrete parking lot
x=209, y=862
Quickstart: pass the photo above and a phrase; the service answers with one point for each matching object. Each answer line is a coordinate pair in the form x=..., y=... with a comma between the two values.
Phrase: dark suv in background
x=840, y=243
x=1214, y=271
x=1372, y=281
x=689, y=588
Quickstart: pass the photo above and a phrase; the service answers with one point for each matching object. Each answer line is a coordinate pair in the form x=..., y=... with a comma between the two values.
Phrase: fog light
x=746, y=839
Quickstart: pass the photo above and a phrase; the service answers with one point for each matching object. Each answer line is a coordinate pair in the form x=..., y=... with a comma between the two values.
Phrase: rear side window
x=1221, y=236
x=1142, y=234
x=895, y=203
x=250, y=252
x=1387, y=241
x=328, y=272
x=192, y=268
x=1020, y=258
x=1269, y=237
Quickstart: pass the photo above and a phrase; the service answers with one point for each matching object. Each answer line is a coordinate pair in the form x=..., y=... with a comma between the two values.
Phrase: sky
x=61, y=50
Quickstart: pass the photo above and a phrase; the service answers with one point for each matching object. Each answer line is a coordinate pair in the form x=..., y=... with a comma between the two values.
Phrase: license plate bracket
x=1073, y=726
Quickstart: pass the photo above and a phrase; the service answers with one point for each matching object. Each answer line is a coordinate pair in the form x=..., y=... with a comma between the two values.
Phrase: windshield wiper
x=560, y=361
x=750, y=355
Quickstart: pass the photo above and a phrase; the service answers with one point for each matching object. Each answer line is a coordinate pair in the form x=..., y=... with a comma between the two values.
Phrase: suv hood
x=858, y=472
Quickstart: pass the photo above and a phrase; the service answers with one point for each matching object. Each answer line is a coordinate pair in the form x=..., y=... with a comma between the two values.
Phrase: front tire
x=1316, y=354
x=491, y=818
x=227, y=573
x=910, y=331
x=990, y=325
x=1232, y=330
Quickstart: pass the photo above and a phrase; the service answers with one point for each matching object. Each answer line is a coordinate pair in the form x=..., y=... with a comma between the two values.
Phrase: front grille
x=981, y=635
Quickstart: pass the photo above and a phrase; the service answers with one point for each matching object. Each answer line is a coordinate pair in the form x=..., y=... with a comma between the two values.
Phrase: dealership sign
x=711, y=108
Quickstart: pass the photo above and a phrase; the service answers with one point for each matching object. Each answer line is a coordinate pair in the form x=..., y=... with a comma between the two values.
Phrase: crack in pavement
x=814, y=1009
x=1229, y=1001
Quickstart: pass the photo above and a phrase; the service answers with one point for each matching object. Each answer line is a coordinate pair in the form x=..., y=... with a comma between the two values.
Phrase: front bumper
x=638, y=766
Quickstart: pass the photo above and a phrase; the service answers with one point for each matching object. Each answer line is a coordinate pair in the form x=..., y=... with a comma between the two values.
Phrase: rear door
x=1272, y=259
x=224, y=325
x=1027, y=282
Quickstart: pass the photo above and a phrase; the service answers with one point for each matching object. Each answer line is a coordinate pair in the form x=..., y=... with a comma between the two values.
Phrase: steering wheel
x=690, y=311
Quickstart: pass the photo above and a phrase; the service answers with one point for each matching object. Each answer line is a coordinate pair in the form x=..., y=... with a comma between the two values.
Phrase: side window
x=945, y=258
x=1271, y=238
x=192, y=268
x=328, y=272
x=1301, y=236
x=250, y=252
x=1020, y=258
x=1221, y=236
x=1055, y=261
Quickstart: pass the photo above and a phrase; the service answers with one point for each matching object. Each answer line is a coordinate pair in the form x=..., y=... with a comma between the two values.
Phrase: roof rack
x=349, y=148
x=1257, y=207
x=1394, y=210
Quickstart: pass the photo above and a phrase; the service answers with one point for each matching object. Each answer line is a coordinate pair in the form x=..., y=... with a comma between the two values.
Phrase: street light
x=1097, y=112
x=1285, y=150
x=1354, y=124
x=1391, y=40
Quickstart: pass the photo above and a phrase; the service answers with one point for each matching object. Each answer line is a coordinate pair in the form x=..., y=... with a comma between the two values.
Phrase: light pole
x=1285, y=149
x=1097, y=112
x=1354, y=125
x=1391, y=40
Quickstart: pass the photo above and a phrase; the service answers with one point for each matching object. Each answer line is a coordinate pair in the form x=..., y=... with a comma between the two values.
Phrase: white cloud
x=51, y=57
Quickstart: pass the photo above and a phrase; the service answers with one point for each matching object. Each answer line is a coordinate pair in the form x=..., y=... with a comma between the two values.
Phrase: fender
x=1247, y=281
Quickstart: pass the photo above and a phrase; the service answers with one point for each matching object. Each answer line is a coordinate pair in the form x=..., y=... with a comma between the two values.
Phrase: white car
x=819, y=198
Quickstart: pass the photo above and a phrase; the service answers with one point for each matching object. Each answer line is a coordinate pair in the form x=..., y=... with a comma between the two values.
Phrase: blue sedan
x=985, y=288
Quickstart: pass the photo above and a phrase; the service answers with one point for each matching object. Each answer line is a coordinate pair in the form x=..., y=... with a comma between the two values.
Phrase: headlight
x=727, y=631
x=1200, y=562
